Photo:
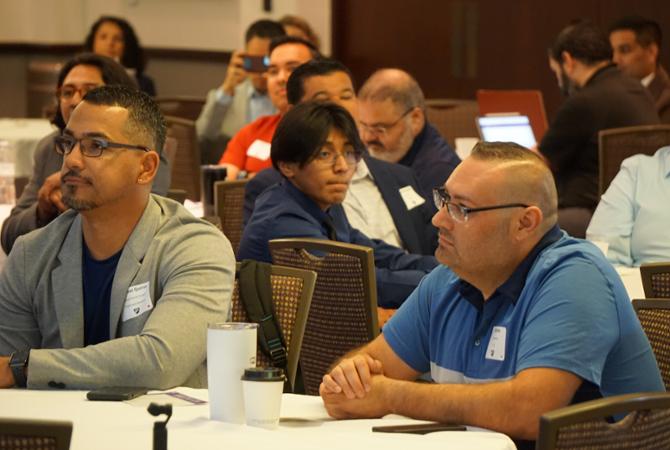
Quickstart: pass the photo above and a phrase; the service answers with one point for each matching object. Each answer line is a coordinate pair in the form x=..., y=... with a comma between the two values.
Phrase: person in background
x=599, y=97
x=242, y=97
x=518, y=320
x=40, y=201
x=115, y=38
x=636, y=43
x=298, y=27
x=316, y=148
x=119, y=289
x=393, y=126
x=382, y=201
x=248, y=151
x=633, y=216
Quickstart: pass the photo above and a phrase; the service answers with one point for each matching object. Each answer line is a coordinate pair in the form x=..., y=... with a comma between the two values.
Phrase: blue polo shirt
x=564, y=307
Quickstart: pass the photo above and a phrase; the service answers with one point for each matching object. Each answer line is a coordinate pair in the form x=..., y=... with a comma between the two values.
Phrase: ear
x=567, y=61
x=653, y=50
x=288, y=169
x=148, y=167
x=417, y=121
x=527, y=222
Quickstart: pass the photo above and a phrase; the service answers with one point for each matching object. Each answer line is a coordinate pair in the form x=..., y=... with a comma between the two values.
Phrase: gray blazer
x=46, y=161
x=216, y=119
x=189, y=267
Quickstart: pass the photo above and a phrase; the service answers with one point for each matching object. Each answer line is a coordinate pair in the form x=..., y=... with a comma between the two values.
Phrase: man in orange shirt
x=249, y=149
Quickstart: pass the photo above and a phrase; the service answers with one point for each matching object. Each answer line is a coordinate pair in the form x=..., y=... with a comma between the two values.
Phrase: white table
x=632, y=281
x=23, y=136
x=304, y=425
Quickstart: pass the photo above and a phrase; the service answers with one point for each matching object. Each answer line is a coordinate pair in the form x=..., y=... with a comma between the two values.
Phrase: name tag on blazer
x=138, y=301
x=259, y=150
x=411, y=198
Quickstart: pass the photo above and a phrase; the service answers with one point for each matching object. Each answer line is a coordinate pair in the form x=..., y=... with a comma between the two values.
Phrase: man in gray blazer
x=119, y=289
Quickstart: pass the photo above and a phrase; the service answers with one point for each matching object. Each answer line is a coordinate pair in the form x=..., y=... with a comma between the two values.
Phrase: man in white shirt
x=242, y=97
x=636, y=45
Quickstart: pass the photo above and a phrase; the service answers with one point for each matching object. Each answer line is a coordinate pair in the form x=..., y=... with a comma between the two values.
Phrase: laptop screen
x=506, y=129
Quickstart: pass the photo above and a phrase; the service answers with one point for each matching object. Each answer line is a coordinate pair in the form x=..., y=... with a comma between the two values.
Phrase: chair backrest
x=181, y=106
x=617, y=144
x=186, y=167
x=229, y=206
x=343, y=313
x=292, y=291
x=34, y=434
x=525, y=102
x=654, y=315
x=453, y=118
x=656, y=279
x=178, y=195
x=585, y=425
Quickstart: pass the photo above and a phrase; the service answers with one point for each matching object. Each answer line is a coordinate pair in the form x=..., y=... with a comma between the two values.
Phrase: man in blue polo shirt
x=519, y=320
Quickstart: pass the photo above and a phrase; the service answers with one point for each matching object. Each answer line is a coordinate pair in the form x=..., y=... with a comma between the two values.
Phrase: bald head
x=523, y=177
x=395, y=85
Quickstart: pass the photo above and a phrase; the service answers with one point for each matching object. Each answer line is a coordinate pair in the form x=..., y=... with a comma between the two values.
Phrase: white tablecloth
x=4, y=213
x=304, y=425
x=23, y=136
x=632, y=281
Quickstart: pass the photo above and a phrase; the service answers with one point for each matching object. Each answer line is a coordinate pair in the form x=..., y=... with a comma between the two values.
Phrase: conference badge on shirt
x=496, y=348
x=138, y=301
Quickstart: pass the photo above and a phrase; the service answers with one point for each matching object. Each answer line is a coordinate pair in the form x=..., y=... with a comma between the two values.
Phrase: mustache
x=74, y=173
x=377, y=143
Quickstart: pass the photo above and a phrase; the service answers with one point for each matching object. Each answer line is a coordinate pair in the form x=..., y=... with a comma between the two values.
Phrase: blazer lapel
x=131, y=262
x=401, y=216
x=68, y=289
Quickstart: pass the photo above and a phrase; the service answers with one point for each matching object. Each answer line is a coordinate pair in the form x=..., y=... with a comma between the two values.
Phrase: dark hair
x=302, y=25
x=313, y=68
x=133, y=55
x=144, y=115
x=304, y=129
x=111, y=71
x=646, y=31
x=281, y=40
x=267, y=29
x=505, y=151
x=584, y=42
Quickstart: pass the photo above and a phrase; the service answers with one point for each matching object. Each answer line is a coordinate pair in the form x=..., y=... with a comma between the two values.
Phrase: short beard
x=78, y=205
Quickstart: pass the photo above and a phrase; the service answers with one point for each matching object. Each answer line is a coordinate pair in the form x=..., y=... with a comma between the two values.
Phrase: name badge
x=259, y=150
x=496, y=348
x=411, y=198
x=138, y=301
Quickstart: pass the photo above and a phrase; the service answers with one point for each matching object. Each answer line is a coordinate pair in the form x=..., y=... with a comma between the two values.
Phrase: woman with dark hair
x=40, y=201
x=114, y=37
x=316, y=148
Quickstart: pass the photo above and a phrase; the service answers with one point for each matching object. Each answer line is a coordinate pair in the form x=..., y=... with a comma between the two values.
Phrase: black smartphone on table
x=420, y=428
x=115, y=394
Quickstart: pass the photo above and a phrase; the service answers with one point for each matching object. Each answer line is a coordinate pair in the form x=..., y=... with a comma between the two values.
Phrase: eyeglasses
x=328, y=158
x=461, y=213
x=90, y=146
x=67, y=92
x=381, y=129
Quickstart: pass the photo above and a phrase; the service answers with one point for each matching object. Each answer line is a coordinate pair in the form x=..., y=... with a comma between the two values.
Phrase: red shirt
x=249, y=149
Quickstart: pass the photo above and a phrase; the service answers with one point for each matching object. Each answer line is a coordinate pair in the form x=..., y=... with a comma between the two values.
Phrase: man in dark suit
x=636, y=43
x=599, y=97
x=384, y=199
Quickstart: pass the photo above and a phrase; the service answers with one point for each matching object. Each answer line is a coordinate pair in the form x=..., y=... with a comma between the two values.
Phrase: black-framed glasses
x=327, y=158
x=460, y=213
x=90, y=146
x=382, y=128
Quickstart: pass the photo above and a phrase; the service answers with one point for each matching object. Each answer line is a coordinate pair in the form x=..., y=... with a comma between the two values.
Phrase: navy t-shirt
x=98, y=277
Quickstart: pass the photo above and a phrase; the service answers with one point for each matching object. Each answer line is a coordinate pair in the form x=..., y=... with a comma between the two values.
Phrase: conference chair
x=654, y=315
x=185, y=107
x=453, y=118
x=525, y=102
x=656, y=279
x=292, y=291
x=186, y=164
x=22, y=434
x=617, y=144
x=229, y=207
x=343, y=312
x=646, y=425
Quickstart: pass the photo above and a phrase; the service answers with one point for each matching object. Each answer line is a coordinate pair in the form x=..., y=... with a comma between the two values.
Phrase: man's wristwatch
x=18, y=363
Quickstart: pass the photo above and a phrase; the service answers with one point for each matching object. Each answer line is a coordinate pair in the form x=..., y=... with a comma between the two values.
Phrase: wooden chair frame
x=659, y=341
x=232, y=227
x=647, y=271
x=191, y=182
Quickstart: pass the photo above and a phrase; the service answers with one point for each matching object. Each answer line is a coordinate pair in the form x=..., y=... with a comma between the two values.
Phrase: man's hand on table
x=6, y=376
